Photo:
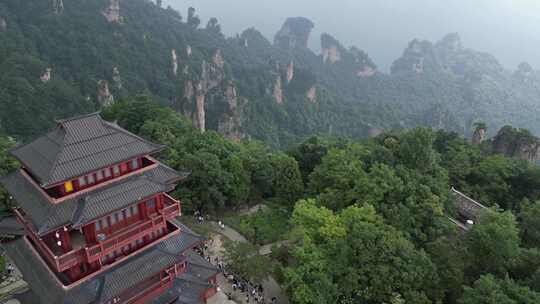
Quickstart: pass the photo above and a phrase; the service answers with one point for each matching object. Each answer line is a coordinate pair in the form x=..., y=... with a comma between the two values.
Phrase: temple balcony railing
x=92, y=253
x=127, y=236
x=171, y=208
x=58, y=262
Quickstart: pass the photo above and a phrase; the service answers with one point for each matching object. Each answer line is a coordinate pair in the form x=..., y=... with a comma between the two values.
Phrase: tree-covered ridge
x=367, y=219
x=58, y=61
x=370, y=225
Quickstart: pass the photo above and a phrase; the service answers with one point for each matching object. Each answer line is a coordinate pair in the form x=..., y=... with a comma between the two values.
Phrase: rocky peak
x=112, y=12
x=365, y=66
x=104, y=96
x=525, y=72
x=479, y=136
x=517, y=143
x=451, y=43
x=174, y=62
x=117, y=78
x=58, y=6
x=417, y=57
x=416, y=47
x=294, y=33
x=46, y=76
x=251, y=38
x=3, y=25
x=331, y=49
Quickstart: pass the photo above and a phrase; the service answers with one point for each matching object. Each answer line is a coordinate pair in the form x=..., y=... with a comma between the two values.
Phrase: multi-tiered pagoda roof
x=95, y=223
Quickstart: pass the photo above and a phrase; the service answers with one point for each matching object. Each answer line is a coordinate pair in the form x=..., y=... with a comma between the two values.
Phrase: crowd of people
x=241, y=288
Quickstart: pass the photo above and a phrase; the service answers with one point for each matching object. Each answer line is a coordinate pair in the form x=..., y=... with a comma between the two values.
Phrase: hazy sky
x=509, y=29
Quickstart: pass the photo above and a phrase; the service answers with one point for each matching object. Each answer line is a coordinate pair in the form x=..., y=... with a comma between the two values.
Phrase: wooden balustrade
x=93, y=253
x=59, y=263
x=114, y=242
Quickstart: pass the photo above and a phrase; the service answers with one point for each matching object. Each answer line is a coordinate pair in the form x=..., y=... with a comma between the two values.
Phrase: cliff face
x=174, y=58
x=236, y=89
x=46, y=76
x=210, y=99
x=58, y=6
x=294, y=33
x=278, y=90
x=3, y=25
x=312, y=94
x=331, y=49
x=517, y=143
x=290, y=72
x=230, y=122
x=479, y=136
x=117, y=79
x=104, y=95
x=112, y=12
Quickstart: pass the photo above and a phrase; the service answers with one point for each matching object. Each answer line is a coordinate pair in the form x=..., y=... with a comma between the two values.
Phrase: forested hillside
x=364, y=221
x=63, y=57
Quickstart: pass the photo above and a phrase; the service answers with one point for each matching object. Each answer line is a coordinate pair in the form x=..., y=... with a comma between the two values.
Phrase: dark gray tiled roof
x=189, y=287
x=466, y=206
x=108, y=284
x=85, y=207
x=9, y=226
x=199, y=267
x=189, y=290
x=80, y=145
x=165, y=174
x=185, y=290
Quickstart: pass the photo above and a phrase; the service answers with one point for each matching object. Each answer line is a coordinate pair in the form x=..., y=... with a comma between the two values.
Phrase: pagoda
x=99, y=226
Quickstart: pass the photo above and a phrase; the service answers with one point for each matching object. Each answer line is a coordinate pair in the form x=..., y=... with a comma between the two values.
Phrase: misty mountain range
x=57, y=61
x=504, y=28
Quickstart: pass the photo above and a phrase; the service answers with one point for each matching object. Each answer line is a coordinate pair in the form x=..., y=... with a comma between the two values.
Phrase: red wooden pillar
x=143, y=210
x=90, y=233
x=65, y=239
x=74, y=273
x=160, y=202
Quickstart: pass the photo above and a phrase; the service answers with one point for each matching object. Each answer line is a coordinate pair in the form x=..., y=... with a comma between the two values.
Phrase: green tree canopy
x=353, y=257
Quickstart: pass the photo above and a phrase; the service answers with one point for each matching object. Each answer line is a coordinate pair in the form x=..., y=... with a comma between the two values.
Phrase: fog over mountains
x=508, y=29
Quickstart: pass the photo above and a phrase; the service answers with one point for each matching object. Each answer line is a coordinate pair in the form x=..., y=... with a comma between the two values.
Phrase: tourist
x=10, y=269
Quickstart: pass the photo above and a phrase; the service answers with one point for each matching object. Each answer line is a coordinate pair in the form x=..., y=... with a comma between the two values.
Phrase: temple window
x=68, y=186
x=134, y=164
x=82, y=181
x=90, y=178
x=99, y=176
